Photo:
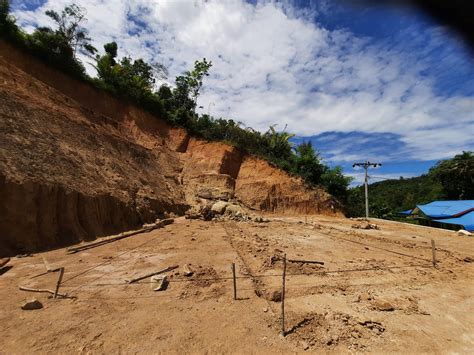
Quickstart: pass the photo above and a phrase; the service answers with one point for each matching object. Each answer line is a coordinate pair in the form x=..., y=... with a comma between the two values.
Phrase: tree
x=8, y=28
x=133, y=78
x=336, y=183
x=278, y=143
x=4, y=10
x=308, y=164
x=456, y=176
x=188, y=86
x=70, y=30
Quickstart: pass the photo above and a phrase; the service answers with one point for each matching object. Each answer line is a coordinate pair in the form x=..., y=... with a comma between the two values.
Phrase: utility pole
x=366, y=166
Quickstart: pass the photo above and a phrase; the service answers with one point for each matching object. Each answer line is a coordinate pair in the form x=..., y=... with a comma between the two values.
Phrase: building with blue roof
x=465, y=221
x=445, y=214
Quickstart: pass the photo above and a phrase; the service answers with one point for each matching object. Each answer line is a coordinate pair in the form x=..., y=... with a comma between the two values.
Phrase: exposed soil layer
x=256, y=188
x=64, y=177
x=76, y=163
x=377, y=291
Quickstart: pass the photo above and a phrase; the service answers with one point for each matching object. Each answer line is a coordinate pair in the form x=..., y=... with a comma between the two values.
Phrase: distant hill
x=386, y=198
x=450, y=179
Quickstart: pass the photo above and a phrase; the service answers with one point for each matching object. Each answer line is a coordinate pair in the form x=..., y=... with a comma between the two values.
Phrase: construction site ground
x=376, y=292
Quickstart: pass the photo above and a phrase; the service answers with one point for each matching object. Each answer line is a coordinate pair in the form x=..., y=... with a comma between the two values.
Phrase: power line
x=366, y=165
x=380, y=178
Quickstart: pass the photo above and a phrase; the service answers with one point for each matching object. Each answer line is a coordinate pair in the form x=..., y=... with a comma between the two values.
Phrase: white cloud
x=272, y=64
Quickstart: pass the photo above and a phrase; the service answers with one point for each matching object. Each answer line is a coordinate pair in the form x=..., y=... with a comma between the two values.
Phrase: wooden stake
x=283, y=298
x=60, y=278
x=235, y=281
x=433, y=252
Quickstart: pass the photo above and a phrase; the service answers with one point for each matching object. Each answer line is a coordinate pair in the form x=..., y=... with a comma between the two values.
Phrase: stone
x=365, y=226
x=215, y=193
x=32, y=305
x=276, y=296
x=205, y=193
x=159, y=282
x=305, y=345
x=187, y=271
x=383, y=306
x=219, y=207
x=233, y=210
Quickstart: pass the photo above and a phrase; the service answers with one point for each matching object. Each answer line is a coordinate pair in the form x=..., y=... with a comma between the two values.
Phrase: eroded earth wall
x=76, y=163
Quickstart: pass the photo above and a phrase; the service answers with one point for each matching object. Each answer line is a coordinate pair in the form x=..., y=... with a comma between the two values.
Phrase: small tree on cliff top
x=188, y=86
x=70, y=29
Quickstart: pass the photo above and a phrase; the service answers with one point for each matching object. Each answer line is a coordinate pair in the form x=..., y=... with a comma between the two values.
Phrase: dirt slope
x=65, y=177
x=76, y=163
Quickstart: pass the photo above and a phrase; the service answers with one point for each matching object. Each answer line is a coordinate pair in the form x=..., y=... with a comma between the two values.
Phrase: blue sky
x=377, y=83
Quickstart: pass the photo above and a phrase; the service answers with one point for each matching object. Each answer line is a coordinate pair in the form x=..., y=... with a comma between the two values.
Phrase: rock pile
x=365, y=226
x=223, y=210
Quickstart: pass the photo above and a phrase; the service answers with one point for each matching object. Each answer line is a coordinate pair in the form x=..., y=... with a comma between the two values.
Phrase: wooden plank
x=4, y=262
x=29, y=289
x=139, y=278
x=48, y=267
x=147, y=228
x=306, y=261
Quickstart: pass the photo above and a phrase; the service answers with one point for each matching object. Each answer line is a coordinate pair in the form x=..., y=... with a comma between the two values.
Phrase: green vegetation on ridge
x=135, y=80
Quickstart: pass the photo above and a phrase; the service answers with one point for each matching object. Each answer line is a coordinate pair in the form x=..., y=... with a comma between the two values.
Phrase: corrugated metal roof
x=407, y=212
x=446, y=209
x=466, y=221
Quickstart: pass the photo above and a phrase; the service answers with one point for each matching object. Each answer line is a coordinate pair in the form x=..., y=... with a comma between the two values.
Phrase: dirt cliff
x=261, y=186
x=76, y=163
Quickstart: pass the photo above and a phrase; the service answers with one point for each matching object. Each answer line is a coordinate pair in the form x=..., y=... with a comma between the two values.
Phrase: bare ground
x=377, y=291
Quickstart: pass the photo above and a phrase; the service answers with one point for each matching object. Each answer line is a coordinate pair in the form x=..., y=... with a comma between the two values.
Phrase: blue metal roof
x=446, y=209
x=466, y=221
x=407, y=212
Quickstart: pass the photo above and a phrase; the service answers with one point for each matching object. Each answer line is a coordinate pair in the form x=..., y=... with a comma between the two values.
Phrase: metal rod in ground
x=58, y=283
x=235, y=281
x=283, y=298
x=433, y=252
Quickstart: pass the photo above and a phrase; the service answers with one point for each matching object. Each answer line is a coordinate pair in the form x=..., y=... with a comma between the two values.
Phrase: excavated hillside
x=76, y=163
